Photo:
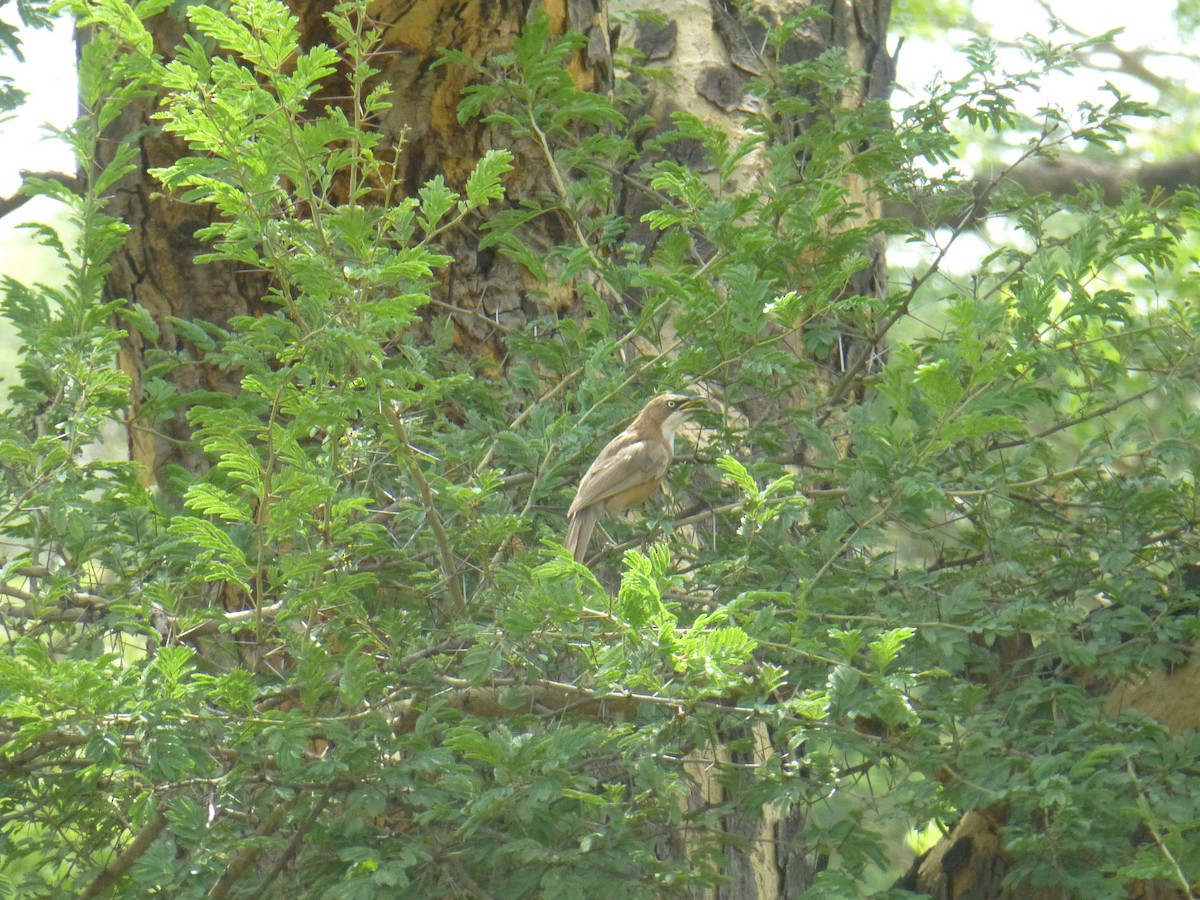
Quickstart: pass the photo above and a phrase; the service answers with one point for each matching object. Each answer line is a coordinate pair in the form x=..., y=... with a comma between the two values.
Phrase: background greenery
x=422, y=692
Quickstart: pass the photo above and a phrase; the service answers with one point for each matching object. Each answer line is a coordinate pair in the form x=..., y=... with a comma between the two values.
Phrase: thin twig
x=1078, y=420
x=449, y=568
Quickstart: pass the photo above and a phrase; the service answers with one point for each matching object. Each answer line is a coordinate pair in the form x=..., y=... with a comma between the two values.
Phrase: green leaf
x=436, y=201
x=484, y=183
x=208, y=499
x=739, y=476
x=886, y=648
x=939, y=384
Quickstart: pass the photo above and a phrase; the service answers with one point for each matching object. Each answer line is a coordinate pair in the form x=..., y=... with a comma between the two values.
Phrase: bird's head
x=669, y=411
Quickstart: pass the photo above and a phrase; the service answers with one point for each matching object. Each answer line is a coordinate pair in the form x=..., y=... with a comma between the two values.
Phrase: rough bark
x=157, y=271
x=483, y=294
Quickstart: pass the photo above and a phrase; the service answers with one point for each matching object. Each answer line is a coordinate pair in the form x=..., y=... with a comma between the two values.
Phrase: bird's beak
x=694, y=404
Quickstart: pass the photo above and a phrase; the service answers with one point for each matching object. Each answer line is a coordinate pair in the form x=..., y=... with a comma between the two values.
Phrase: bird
x=629, y=469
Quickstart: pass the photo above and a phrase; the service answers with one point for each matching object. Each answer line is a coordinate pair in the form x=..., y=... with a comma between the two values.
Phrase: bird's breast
x=632, y=496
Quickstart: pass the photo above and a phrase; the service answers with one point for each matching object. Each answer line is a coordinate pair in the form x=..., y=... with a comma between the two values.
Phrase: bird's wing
x=619, y=468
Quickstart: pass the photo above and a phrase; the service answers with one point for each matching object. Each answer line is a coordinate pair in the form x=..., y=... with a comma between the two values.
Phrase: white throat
x=671, y=424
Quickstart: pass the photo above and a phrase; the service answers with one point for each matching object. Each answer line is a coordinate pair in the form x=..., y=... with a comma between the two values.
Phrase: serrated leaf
x=739, y=475
x=436, y=200
x=888, y=645
x=211, y=500
x=939, y=384
x=483, y=185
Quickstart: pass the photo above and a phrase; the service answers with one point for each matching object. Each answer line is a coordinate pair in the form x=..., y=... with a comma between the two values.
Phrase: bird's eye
x=672, y=403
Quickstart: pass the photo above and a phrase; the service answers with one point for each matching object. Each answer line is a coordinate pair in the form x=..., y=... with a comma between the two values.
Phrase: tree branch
x=242, y=860
x=1059, y=178
x=19, y=199
x=297, y=839
x=110, y=874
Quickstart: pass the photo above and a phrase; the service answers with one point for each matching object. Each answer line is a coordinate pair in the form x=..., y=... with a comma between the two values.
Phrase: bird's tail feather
x=579, y=531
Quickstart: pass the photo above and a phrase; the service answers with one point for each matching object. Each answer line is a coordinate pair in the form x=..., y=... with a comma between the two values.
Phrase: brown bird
x=629, y=469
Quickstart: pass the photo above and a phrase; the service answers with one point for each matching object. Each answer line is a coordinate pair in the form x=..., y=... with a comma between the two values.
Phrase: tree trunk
x=709, y=49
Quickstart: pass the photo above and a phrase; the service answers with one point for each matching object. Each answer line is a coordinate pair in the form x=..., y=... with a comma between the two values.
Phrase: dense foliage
x=351, y=657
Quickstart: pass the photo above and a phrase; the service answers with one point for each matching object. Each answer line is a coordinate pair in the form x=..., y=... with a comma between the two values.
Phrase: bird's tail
x=579, y=530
